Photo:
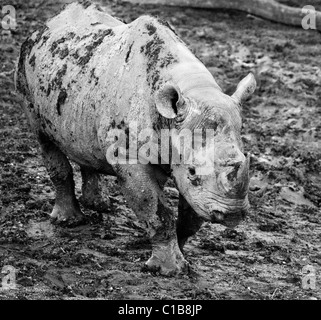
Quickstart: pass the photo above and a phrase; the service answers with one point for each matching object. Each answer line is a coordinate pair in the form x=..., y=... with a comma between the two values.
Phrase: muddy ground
x=261, y=259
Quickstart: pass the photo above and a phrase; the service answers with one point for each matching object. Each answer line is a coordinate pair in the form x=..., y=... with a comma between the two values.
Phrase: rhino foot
x=167, y=260
x=67, y=216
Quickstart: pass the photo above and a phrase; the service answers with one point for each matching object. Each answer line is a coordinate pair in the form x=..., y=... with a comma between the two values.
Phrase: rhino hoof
x=166, y=268
x=67, y=217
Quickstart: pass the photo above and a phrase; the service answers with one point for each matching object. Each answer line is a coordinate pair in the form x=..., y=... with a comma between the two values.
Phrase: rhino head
x=214, y=183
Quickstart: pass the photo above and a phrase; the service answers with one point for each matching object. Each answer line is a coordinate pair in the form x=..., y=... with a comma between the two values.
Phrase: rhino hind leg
x=142, y=191
x=188, y=222
x=92, y=192
x=66, y=210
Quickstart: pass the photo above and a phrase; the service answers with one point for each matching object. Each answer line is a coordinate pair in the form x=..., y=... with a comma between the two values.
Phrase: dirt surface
x=261, y=259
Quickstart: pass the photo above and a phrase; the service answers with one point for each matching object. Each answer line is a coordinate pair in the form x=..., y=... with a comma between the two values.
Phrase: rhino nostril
x=233, y=174
x=192, y=171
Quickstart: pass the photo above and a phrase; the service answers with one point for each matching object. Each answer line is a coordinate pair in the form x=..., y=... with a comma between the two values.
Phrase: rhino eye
x=215, y=125
x=194, y=179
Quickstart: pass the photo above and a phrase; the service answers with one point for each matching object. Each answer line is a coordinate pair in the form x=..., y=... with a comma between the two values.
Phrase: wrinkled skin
x=85, y=74
x=216, y=190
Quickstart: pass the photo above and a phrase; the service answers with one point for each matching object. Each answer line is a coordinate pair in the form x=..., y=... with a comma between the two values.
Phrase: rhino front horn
x=245, y=88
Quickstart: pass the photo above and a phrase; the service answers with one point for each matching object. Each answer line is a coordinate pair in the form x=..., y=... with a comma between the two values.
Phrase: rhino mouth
x=230, y=219
x=229, y=215
x=216, y=209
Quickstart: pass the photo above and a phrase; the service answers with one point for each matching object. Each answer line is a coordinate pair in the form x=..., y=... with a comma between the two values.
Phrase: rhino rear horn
x=167, y=100
x=245, y=88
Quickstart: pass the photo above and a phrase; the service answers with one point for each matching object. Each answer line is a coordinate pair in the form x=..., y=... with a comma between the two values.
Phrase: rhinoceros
x=86, y=73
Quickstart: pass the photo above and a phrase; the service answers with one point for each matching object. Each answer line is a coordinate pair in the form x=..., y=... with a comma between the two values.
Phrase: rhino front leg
x=66, y=209
x=188, y=222
x=92, y=192
x=142, y=191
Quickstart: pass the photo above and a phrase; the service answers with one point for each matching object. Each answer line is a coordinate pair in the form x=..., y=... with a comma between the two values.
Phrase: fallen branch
x=267, y=9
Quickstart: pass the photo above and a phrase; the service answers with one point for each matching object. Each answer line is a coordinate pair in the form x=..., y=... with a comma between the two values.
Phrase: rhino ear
x=245, y=88
x=167, y=101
